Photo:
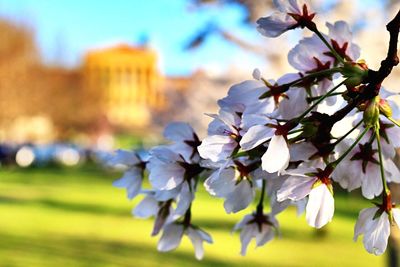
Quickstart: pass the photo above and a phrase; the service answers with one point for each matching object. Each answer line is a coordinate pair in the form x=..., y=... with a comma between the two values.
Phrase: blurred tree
x=18, y=56
x=28, y=88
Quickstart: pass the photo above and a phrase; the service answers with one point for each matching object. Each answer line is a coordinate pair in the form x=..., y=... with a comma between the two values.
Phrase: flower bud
x=371, y=113
x=257, y=74
x=355, y=73
x=385, y=108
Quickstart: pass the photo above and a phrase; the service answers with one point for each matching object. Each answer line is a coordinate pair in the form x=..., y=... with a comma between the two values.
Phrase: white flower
x=178, y=132
x=311, y=54
x=289, y=16
x=375, y=228
x=184, y=139
x=389, y=132
x=133, y=176
x=183, y=199
x=151, y=206
x=244, y=95
x=223, y=135
x=146, y=208
x=165, y=172
x=258, y=226
x=293, y=104
x=256, y=136
x=361, y=169
x=277, y=156
x=240, y=198
x=304, y=182
x=158, y=203
x=233, y=183
x=341, y=38
x=320, y=206
x=172, y=236
x=124, y=158
x=173, y=178
x=273, y=95
x=169, y=171
x=198, y=236
x=389, y=137
x=308, y=55
x=274, y=183
x=132, y=181
x=302, y=151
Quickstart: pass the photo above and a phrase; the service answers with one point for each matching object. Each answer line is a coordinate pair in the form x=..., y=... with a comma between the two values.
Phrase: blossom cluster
x=294, y=139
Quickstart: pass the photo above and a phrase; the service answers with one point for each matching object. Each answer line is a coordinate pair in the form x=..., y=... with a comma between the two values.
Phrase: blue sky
x=65, y=29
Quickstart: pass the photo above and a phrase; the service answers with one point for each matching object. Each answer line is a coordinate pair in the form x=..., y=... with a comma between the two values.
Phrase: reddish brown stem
x=375, y=78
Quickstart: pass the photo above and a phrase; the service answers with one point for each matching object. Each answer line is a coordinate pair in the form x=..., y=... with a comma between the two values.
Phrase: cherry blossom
x=327, y=124
x=172, y=236
x=245, y=95
x=361, y=169
x=165, y=170
x=223, y=136
x=317, y=185
x=374, y=224
x=261, y=227
x=184, y=139
x=233, y=181
x=132, y=178
x=277, y=156
x=291, y=14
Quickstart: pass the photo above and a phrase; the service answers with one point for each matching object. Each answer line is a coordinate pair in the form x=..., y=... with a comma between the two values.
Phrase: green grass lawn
x=74, y=217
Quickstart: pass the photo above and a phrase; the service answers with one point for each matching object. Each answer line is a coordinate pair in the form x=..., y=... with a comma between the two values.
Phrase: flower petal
x=221, y=182
x=364, y=218
x=217, y=147
x=197, y=236
x=171, y=237
x=255, y=136
x=146, y=208
x=124, y=157
x=375, y=240
x=178, y=132
x=132, y=181
x=184, y=200
x=277, y=156
x=266, y=234
x=164, y=176
x=240, y=198
x=371, y=183
x=295, y=188
x=320, y=206
x=274, y=25
x=248, y=232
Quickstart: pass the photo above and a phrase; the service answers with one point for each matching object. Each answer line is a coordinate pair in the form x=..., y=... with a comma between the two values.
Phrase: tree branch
x=391, y=60
x=375, y=78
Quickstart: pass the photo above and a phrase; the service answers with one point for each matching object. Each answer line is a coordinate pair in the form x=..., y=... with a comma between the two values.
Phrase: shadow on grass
x=70, y=251
x=66, y=206
x=93, y=209
x=59, y=175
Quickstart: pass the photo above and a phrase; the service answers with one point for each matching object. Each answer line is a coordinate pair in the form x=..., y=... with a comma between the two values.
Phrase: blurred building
x=127, y=82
